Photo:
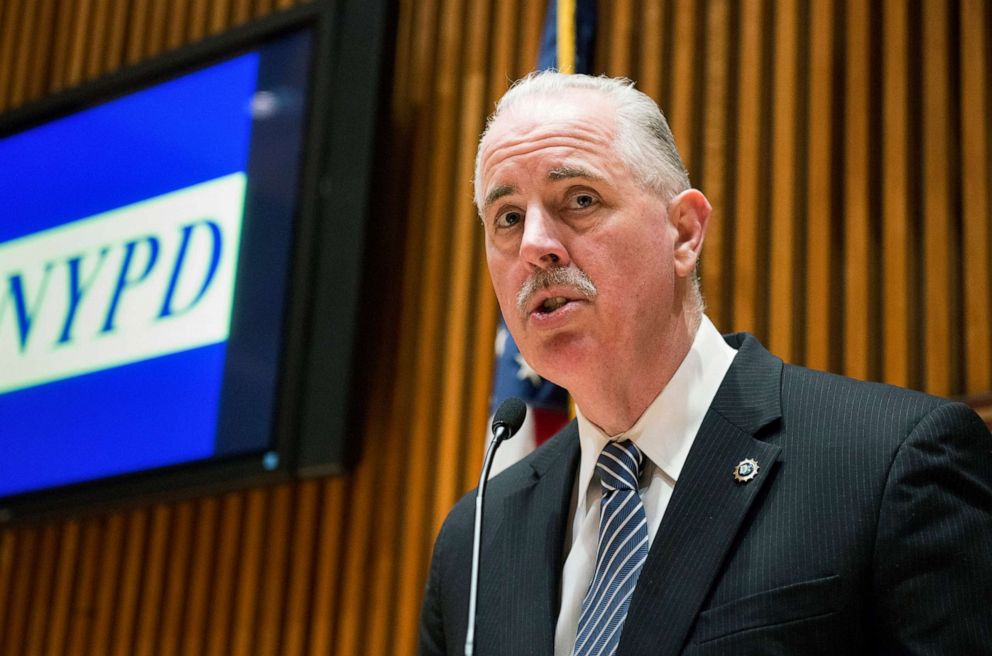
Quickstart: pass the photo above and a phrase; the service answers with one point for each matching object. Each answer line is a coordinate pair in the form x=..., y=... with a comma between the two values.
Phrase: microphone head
x=510, y=415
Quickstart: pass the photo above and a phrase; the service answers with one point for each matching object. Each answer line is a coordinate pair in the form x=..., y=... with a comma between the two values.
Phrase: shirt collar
x=666, y=430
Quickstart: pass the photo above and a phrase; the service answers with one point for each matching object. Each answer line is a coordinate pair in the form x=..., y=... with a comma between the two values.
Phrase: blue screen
x=168, y=137
x=124, y=241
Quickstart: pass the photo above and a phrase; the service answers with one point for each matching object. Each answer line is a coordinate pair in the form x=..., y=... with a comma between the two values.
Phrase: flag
x=547, y=404
x=566, y=45
x=568, y=37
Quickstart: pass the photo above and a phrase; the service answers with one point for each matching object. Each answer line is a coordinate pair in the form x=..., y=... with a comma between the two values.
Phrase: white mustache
x=570, y=277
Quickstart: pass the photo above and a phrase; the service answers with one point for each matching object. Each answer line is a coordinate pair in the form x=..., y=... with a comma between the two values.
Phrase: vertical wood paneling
x=242, y=12
x=819, y=281
x=225, y=560
x=200, y=577
x=248, y=593
x=218, y=19
x=136, y=30
x=297, y=613
x=895, y=187
x=420, y=467
x=108, y=572
x=272, y=591
x=358, y=558
x=857, y=315
x=474, y=26
x=464, y=257
x=38, y=76
x=122, y=630
x=8, y=542
x=444, y=249
x=714, y=177
x=10, y=14
x=20, y=591
x=157, y=27
x=652, y=44
x=65, y=578
x=328, y=566
x=938, y=229
x=149, y=600
x=41, y=590
x=177, y=579
x=779, y=120
x=262, y=7
x=747, y=293
x=480, y=381
x=175, y=27
x=92, y=60
x=385, y=409
x=782, y=289
x=380, y=593
x=22, y=57
x=620, y=37
x=530, y=19
x=198, y=19
x=976, y=173
x=116, y=34
x=681, y=103
x=59, y=59
x=84, y=592
x=416, y=509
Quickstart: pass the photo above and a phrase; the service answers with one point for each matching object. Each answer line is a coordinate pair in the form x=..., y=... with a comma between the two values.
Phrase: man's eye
x=507, y=219
x=583, y=201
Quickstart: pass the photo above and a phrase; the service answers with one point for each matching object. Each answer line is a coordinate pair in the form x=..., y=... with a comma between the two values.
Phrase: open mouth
x=552, y=304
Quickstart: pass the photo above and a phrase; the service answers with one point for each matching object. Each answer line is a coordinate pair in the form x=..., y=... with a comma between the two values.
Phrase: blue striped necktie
x=623, y=548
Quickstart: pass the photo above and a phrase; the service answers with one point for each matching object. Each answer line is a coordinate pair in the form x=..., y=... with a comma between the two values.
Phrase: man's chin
x=560, y=359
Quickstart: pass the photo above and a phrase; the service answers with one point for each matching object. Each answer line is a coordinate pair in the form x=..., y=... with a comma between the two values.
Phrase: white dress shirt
x=664, y=434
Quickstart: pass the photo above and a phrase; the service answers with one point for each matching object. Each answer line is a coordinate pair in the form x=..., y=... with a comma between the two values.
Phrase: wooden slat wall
x=845, y=146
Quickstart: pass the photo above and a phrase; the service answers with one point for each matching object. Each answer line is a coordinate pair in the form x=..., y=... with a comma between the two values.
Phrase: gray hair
x=643, y=139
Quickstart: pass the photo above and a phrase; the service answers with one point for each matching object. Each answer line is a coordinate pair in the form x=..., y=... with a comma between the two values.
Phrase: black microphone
x=507, y=421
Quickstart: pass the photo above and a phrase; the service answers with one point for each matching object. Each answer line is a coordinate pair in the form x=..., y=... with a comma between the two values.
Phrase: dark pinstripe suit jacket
x=867, y=530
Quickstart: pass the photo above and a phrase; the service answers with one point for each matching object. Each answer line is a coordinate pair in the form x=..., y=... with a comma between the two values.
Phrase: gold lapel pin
x=746, y=470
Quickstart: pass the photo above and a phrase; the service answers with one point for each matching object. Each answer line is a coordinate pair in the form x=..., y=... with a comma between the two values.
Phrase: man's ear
x=689, y=213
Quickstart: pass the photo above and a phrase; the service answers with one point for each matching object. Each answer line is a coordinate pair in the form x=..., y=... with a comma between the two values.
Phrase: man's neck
x=617, y=398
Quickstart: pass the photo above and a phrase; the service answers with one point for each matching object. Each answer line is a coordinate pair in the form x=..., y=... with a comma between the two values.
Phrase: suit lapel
x=708, y=506
x=530, y=539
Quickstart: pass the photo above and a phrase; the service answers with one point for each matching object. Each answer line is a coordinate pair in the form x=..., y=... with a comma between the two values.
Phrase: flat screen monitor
x=150, y=251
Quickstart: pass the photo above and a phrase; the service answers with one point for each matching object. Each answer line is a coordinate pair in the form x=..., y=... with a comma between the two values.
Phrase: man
x=747, y=506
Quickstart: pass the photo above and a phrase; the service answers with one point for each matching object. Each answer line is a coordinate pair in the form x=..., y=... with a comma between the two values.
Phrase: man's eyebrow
x=554, y=175
x=566, y=172
x=498, y=192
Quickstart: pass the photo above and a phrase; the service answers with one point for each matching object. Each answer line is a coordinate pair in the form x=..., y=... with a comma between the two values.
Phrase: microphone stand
x=500, y=434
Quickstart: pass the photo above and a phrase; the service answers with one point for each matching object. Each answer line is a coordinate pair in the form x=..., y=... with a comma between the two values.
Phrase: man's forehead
x=567, y=119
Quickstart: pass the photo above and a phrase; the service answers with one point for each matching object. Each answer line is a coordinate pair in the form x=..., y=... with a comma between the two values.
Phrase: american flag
x=547, y=404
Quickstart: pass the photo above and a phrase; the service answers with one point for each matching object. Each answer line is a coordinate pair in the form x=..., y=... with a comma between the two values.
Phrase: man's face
x=555, y=194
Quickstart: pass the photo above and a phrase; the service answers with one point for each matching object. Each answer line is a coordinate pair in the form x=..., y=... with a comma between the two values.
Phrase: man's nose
x=541, y=245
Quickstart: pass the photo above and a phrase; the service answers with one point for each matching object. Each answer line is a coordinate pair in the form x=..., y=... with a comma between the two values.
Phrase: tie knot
x=620, y=465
